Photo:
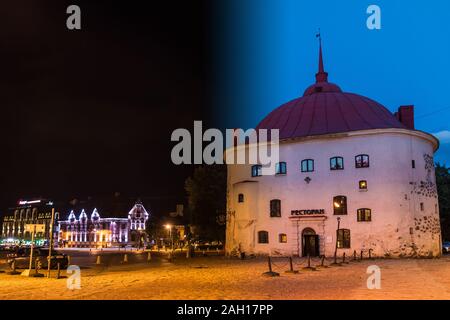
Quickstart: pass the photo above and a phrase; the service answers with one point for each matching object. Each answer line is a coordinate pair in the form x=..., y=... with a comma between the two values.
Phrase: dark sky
x=90, y=112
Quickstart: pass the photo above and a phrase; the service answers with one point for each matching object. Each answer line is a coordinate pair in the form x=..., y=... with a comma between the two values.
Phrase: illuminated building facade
x=28, y=212
x=95, y=231
x=352, y=176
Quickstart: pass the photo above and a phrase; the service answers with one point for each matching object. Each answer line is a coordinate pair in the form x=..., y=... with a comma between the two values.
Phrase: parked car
x=446, y=247
x=22, y=258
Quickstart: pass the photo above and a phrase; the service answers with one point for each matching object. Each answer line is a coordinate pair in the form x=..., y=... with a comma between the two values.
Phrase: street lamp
x=337, y=235
x=169, y=227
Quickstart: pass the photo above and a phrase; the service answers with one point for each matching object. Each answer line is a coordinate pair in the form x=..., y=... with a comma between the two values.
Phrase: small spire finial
x=321, y=75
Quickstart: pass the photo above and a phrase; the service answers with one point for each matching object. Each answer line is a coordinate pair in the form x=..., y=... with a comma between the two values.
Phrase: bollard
x=125, y=258
x=361, y=255
x=58, y=271
x=270, y=273
x=354, y=255
x=370, y=253
x=291, y=267
x=13, y=268
x=204, y=253
x=343, y=258
x=322, y=262
x=68, y=260
x=218, y=251
x=308, y=267
x=99, y=260
x=149, y=256
x=335, y=263
x=188, y=253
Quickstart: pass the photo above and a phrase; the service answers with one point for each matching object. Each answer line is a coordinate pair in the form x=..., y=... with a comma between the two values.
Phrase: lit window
x=364, y=214
x=280, y=168
x=282, y=237
x=340, y=205
x=263, y=237
x=275, y=208
x=362, y=185
x=256, y=170
x=343, y=238
x=337, y=163
x=362, y=161
x=307, y=165
x=240, y=197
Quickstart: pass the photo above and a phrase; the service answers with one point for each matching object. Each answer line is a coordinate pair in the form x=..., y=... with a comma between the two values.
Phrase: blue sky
x=267, y=53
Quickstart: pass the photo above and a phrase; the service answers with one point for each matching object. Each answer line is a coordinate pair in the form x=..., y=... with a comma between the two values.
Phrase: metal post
x=51, y=243
x=309, y=261
x=322, y=261
x=291, y=268
x=270, y=264
x=32, y=246
x=354, y=255
x=58, y=275
x=361, y=255
x=370, y=253
x=343, y=257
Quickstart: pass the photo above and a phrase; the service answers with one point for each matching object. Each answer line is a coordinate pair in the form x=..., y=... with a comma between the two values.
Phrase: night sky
x=90, y=112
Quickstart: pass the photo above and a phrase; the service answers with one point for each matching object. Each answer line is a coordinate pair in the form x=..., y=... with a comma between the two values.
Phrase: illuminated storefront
x=28, y=212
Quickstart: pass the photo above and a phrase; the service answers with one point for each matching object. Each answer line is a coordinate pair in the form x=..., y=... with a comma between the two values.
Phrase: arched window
x=340, y=205
x=362, y=161
x=337, y=163
x=240, y=197
x=343, y=238
x=307, y=165
x=280, y=168
x=263, y=237
x=282, y=238
x=275, y=208
x=256, y=170
x=364, y=214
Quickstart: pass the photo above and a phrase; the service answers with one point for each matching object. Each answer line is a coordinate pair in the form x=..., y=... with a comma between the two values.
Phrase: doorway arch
x=310, y=243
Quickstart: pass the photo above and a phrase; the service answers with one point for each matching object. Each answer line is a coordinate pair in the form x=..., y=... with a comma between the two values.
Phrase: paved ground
x=217, y=277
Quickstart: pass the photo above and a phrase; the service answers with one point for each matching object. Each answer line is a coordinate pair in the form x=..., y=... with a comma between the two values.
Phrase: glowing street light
x=169, y=227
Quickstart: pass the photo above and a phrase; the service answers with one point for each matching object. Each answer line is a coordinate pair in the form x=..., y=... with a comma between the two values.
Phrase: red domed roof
x=325, y=109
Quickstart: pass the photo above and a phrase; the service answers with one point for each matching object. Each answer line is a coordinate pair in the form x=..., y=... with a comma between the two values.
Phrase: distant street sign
x=35, y=227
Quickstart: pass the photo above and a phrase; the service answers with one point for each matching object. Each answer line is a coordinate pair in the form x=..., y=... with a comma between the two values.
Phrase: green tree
x=206, y=190
x=443, y=187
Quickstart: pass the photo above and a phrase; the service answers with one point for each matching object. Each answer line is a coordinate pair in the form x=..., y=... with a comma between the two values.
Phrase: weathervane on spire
x=321, y=75
x=319, y=36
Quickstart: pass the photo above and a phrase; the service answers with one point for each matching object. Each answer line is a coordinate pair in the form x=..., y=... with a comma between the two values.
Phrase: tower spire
x=321, y=75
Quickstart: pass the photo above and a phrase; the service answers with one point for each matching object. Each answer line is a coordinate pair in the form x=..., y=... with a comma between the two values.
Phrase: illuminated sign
x=307, y=212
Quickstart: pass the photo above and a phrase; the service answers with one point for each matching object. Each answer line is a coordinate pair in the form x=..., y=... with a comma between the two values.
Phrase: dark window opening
x=256, y=170
x=307, y=165
x=241, y=197
x=280, y=168
x=413, y=164
x=337, y=163
x=263, y=237
x=362, y=161
x=343, y=238
x=275, y=208
x=364, y=214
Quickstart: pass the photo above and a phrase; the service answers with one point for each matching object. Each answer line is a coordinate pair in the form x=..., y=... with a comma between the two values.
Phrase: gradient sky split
x=267, y=53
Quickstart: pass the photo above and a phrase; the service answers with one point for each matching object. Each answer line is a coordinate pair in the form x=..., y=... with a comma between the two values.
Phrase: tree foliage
x=443, y=187
x=206, y=190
